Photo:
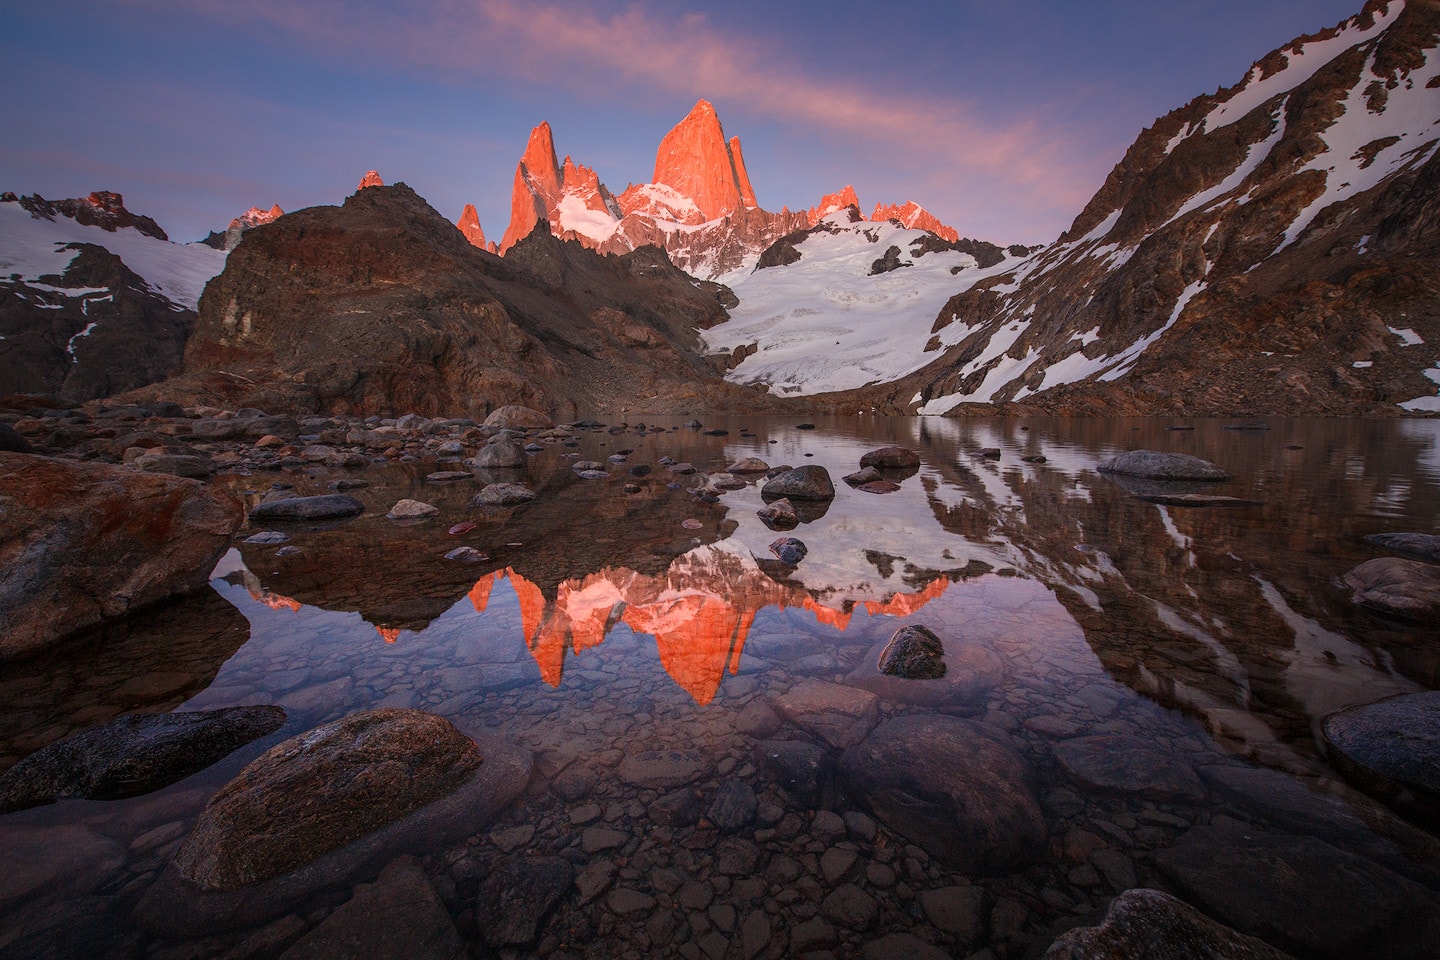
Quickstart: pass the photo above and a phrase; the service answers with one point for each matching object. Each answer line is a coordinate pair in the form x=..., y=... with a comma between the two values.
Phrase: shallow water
x=606, y=623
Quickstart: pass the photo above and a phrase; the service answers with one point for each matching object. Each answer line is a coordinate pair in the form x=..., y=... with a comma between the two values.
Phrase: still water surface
x=604, y=623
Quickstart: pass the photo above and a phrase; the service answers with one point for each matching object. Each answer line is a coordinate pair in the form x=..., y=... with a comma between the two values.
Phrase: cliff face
x=381, y=306
x=1270, y=248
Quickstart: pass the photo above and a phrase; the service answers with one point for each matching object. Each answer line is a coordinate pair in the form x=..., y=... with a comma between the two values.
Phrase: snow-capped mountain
x=699, y=207
x=1271, y=247
x=846, y=304
x=253, y=217
x=93, y=299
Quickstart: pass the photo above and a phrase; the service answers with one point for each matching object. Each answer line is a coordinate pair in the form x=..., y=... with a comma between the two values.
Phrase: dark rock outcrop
x=133, y=755
x=1391, y=748
x=90, y=542
x=1155, y=925
x=1156, y=465
x=1407, y=589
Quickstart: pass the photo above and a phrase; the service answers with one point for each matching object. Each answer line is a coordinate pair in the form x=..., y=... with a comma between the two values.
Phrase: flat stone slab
x=1407, y=589
x=1197, y=500
x=949, y=786
x=1418, y=546
x=1157, y=926
x=329, y=506
x=1128, y=764
x=841, y=715
x=1157, y=465
x=514, y=900
x=664, y=768
x=133, y=755
x=1391, y=748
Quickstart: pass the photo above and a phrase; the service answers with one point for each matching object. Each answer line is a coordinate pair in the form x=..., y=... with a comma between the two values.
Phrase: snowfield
x=29, y=249
x=824, y=324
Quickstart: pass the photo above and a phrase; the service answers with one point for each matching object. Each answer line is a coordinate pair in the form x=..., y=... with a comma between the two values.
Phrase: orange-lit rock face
x=469, y=224
x=914, y=217
x=388, y=634
x=536, y=192
x=699, y=612
x=371, y=179
x=695, y=161
x=832, y=202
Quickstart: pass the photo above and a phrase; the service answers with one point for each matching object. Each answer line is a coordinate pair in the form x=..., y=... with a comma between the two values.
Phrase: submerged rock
x=319, y=791
x=1391, y=748
x=842, y=716
x=914, y=652
x=1407, y=589
x=503, y=495
x=779, y=515
x=1420, y=546
x=1156, y=926
x=789, y=550
x=1155, y=465
x=515, y=899
x=329, y=506
x=133, y=755
x=500, y=454
x=950, y=787
x=1128, y=764
x=85, y=543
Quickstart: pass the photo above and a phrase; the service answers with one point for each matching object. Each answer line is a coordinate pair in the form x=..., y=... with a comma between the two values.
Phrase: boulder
x=802, y=483
x=842, y=716
x=503, y=495
x=803, y=769
x=779, y=515
x=972, y=669
x=87, y=542
x=1301, y=894
x=1418, y=546
x=789, y=550
x=319, y=791
x=952, y=788
x=914, y=652
x=748, y=465
x=1407, y=589
x=133, y=755
x=501, y=454
x=1155, y=925
x=412, y=510
x=1125, y=763
x=329, y=506
x=1391, y=748
x=398, y=915
x=515, y=899
x=863, y=476
x=513, y=416
x=1155, y=465
x=895, y=458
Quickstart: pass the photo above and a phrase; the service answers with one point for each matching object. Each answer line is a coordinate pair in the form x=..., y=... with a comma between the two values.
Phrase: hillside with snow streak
x=1270, y=248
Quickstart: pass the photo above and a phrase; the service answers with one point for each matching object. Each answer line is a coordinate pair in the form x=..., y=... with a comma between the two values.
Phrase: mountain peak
x=537, y=189
x=912, y=216
x=469, y=224
x=371, y=179
x=695, y=161
x=832, y=202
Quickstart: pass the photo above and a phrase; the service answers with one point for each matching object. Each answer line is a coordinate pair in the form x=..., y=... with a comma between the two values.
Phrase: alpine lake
x=696, y=713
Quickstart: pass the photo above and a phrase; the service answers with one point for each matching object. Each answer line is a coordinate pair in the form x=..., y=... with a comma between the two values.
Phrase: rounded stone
x=803, y=483
x=894, y=458
x=1155, y=465
x=914, y=652
x=318, y=791
x=1391, y=748
x=329, y=506
x=503, y=495
x=1407, y=589
x=514, y=416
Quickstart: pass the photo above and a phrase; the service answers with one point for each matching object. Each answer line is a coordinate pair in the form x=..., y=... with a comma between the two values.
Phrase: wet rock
x=1420, y=546
x=504, y=495
x=789, y=550
x=1129, y=764
x=67, y=860
x=867, y=475
x=500, y=455
x=840, y=715
x=1197, y=500
x=779, y=515
x=902, y=946
x=1155, y=465
x=736, y=857
x=972, y=670
x=466, y=555
x=175, y=464
x=1391, y=748
x=329, y=506
x=629, y=902
x=664, y=768
x=801, y=768
x=895, y=458
x=802, y=483
x=68, y=929
x=755, y=935
x=516, y=417
x=133, y=755
x=1301, y=894
x=84, y=543
x=679, y=808
x=316, y=792
x=448, y=476
x=1157, y=926
x=514, y=900
x=748, y=465
x=914, y=652
x=1407, y=589
x=11, y=441
x=734, y=805
x=412, y=510
x=268, y=538
x=398, y=915
x=988, y=453
x=962, y=911
x=758, y=720
x=878, y=486
x=950, y=787
x=850, y=907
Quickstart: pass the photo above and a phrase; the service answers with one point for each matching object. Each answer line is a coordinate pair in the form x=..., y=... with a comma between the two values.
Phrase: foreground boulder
x=1391, y=748
x=1156, y=926
x=802, y=483
x=316, y=792
x=1155, y=465
x=133, y=755
x=892, y=458
x=1407, y=589
x=88, y=542
x=914, y=652
x=949, y=786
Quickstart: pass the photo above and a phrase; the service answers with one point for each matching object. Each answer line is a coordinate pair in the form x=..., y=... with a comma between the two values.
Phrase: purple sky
x=1001, y=117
